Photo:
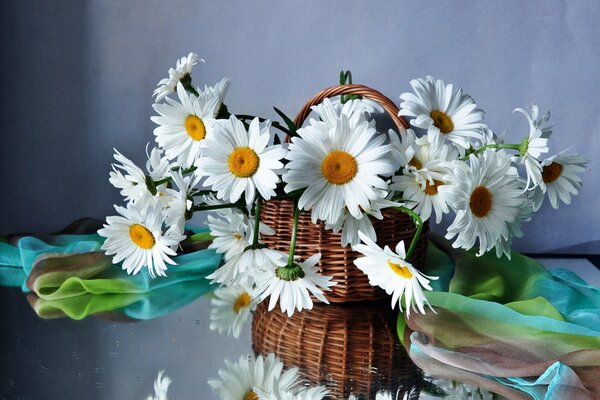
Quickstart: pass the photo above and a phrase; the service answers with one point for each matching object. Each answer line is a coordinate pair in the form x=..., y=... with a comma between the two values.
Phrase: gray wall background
x=77, y=79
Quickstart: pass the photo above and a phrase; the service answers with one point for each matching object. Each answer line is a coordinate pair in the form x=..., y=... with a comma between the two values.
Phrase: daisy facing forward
x=185, y=124
x=241, y=380
x=136, y=238
x=559, y=174
x=293, y=285
x=487, y=197
x=238, y=161
x=443, y=110
x=390, y=271
x=338, y=166
x=231, y=308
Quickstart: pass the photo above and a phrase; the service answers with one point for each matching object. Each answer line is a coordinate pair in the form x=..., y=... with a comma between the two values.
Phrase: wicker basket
x=349, y=348
x=337, y=261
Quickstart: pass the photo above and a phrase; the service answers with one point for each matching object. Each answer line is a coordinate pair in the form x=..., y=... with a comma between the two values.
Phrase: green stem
x=257, y=222
x=290, y=262
x=274, y=124
x=492, y=146
x=419, y=223
x=169, y=179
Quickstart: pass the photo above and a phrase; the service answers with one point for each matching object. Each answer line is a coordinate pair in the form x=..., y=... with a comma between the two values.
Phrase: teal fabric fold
x=69, y=275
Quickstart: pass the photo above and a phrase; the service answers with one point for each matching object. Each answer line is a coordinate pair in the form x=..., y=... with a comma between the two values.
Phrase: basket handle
x=361, y=90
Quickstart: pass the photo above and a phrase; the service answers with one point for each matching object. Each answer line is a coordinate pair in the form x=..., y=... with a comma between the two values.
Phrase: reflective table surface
x=110, y=356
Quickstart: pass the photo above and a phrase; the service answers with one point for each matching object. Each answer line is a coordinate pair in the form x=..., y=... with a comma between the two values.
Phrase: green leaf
x=290, y=124
x=201, y=237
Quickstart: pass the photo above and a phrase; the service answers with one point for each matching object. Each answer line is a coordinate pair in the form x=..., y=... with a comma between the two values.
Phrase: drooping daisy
x=242, y=269
x=390, y=271
x=219, y=90
x=161, y=386
x=443, y=110
x=182, y=70
x=130, y=178
x=329, y=111
x=180, y=203
x=229, y=235
x=239, y=381
x=487, y=197
x=533, y=146
x=339, y=166
x=158, y=166
x=504, y=244
x=185, y=124
x=349, y=226
x=136, y=238
x=240, y=162
x=404, y=148
x=559, y=174
x=292, y=286
x=424, y=180
x=231, y=308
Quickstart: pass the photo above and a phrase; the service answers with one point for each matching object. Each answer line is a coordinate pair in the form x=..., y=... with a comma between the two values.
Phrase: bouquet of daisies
x=343, y=171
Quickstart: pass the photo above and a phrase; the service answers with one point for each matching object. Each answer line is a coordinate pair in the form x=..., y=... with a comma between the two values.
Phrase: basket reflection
x=350, y=348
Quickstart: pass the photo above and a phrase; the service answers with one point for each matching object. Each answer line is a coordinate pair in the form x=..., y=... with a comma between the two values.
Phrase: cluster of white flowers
x=340, y=169
x=262, y=378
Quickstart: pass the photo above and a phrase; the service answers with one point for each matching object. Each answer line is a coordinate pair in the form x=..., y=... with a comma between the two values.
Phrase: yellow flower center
x=339, y=167
x=551, y=172
x=195, y=127
x=250, y=395
x=237, y=236
x=442, y=121
x=243, y=162
x=141, y=236
x=432, y=189
x=243, y=301
x=481, y=201
x=414, y=162
x=400, y=270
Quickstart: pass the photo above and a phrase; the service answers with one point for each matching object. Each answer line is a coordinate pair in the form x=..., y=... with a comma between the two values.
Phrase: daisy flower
x=241, y=269
x=425, y=181
x=179, y=204
x=229, y=235
x=182, y=71
x=185, y=124
x=487, y=197
x=158, y=166
x=329, y=111
x=312, y=393
x=239, y=161
x=404, y=148
x=240, y=381
x=292, y=286
x=219, y=90
x=231, y=307
x=349, y=226
x=339, y=166
x=161, y=386
x=130, y=178
x=444, y=111
x=136, y=238
x=533, y=146
x=559, y=174
x=504, y=244
x=390, y=271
